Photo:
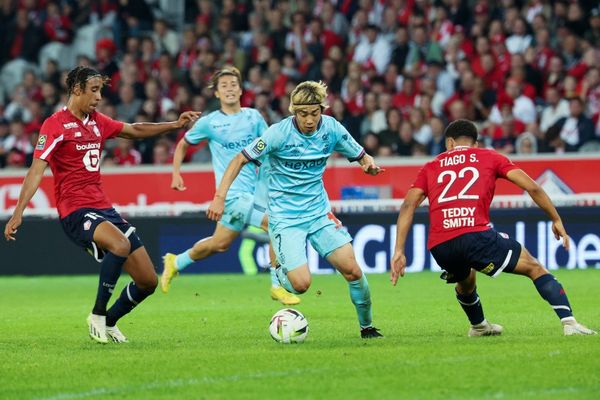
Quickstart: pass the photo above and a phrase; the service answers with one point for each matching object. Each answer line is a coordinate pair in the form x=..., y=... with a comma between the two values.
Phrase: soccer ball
x=288, y=326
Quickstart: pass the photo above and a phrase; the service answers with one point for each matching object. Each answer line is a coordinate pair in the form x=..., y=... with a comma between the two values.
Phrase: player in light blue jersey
x=227, y=131
x=298, y=148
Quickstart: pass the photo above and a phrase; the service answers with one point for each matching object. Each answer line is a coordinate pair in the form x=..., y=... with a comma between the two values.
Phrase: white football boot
x=485, y=329
x=97, y=328
x=571, y=327
x=115, y=334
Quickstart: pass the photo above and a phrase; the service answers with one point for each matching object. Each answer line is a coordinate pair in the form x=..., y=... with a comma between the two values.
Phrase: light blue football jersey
x=297, y=164
x=227, y=135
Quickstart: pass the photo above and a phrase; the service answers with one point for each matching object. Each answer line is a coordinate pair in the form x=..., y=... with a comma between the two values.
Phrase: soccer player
x=459, y=184
x=228, y=131
x=298, y=148
x=71, y=142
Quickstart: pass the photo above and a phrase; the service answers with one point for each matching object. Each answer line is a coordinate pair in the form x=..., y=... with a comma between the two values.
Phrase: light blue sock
x=183, y=260
x=284, y=281
x=361, y=298
x=274, y=279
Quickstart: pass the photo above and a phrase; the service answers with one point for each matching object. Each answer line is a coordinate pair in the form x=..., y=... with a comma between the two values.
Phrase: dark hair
x=461, y=128
x=79, y=76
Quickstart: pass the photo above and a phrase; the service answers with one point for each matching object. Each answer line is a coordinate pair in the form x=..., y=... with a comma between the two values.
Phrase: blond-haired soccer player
x=227, y=130
x=298, y=148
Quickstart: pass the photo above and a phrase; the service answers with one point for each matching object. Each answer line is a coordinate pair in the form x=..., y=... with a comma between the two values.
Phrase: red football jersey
x=73, y=147
x=460, y=186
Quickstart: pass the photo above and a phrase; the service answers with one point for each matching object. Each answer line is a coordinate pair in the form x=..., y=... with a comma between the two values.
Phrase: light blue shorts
x=241, y=211
x=289, y=236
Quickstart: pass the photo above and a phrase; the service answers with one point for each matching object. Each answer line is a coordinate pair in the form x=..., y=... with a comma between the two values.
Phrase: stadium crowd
x=527, y=72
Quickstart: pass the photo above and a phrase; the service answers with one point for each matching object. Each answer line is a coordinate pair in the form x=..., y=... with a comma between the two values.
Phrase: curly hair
x=461, y=128
x=79, y=76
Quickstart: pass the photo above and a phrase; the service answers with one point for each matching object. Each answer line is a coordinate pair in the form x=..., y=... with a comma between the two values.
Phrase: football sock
x=284, y=281
x=110, y=270
x=130, y=297
x=274, y=279
x=471, y=305
x=552, y=291
x=183, y=260
x=361, y=298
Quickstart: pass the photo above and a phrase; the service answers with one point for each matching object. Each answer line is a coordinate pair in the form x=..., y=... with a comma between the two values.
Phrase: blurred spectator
x=519, y=40
x=421, y=129
x=162, y=153
x=437, y=144
x=405, y=140
x=526, y=143
x=125, y=154
x=373, y=50
x=522, y=106
x=555, y=108
x=22, y=39
x=574, y=130
x=128, y=105
x=17, y=139
x=57, y=26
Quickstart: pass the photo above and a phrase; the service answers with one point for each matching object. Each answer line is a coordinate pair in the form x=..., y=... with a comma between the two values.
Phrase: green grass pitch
x=209, y=339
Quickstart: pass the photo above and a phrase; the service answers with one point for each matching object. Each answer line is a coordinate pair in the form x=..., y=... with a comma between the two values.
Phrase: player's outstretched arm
x=368, y=165
x=217, y=205
x=141, y=130
x=30, y=186
x=413, y=199
x=176, y=178
x=539, y=196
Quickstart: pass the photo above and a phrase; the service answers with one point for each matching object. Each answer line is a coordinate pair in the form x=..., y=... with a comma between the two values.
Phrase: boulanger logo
x=87, y=146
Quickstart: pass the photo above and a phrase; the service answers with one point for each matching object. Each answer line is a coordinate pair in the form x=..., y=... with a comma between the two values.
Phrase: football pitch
x=208, y=339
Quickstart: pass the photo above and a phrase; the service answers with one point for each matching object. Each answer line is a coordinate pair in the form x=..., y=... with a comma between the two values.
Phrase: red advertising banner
x=130, y=186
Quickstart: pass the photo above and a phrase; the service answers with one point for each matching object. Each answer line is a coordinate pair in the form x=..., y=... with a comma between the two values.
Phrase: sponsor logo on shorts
x=87, y=225
x=503, y=235
x=488, y=269
x=41, y=142
x=259, y=147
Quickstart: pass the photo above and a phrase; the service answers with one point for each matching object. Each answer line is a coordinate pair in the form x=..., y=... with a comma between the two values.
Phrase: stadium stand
x=397, y=70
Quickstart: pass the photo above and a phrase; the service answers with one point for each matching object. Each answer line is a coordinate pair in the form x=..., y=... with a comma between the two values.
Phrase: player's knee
x=120, y=247
x=300, y=285
x=148, y=284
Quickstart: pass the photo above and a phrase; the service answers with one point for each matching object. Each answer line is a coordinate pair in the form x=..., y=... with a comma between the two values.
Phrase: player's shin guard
x=552, y=291
x=471, y=305
x=361, y=298
x=110, y=270
x=284, y=281
x=130, y=297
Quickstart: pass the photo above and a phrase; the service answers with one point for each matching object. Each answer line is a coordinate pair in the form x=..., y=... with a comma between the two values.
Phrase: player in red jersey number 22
x=460, y=184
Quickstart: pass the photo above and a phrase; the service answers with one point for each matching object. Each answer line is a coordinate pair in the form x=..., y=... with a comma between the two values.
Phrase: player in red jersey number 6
x=71, y=142
x=460, y=185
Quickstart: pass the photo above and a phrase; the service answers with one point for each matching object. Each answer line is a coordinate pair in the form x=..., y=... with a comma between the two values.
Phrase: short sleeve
x=261, y=124
x=345, y=143
x=262, y=146
x=503, y=165
x=421, y=180
x=109, y=128
x=199, y=132
x=49, y=140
